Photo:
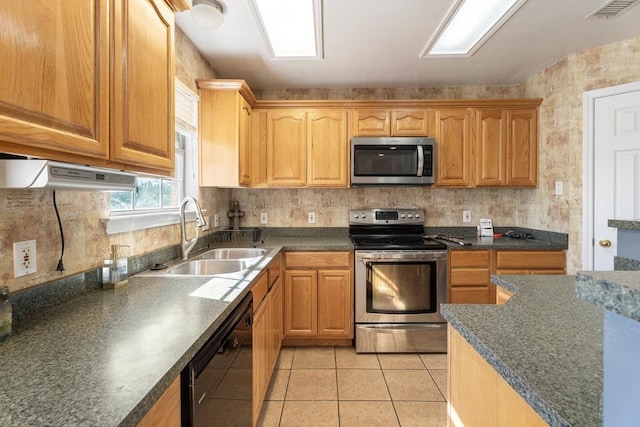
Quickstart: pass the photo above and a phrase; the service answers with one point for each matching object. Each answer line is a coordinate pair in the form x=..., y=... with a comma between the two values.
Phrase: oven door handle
x=420, y=160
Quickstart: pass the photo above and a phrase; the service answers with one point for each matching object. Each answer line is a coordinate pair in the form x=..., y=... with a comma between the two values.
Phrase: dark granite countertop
x=542, y=240
x=546, y=342
x=617, y=291
x=624, y=224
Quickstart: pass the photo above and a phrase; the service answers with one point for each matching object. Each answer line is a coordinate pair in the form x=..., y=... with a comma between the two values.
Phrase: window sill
x=123, y=223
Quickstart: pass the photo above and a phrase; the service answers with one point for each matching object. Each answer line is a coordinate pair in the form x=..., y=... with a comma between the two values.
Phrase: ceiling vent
x=612, y=9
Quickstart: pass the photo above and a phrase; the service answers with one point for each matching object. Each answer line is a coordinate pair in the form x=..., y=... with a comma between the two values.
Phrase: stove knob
x=410, y=215
x=363, y=215
x=402, y=215
x=356, y=216
x=417, y=215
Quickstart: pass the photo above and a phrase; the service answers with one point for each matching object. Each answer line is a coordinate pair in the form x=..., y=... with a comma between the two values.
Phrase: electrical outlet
x=466, y=216
x=263, y=218
x=216, y=221
x=24, y=258
x=558, y=189
x=311, y=218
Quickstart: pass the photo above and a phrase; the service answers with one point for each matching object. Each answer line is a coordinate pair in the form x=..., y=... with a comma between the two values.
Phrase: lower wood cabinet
x=502, y=295
x=267, y=332
x=318, y=295
x=470, y=270
x=477, y=395
x=166, y=411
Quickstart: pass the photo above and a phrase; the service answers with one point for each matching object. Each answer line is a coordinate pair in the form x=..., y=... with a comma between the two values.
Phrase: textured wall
x=28, y=215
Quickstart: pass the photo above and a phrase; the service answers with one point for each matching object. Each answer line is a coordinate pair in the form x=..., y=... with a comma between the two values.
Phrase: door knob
x=605, y=243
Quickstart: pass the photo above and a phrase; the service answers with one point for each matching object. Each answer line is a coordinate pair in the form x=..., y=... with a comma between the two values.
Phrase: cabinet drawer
x=273, y=272
x=530, y=260
x=313, y=259
x=470, y=295
x=469, y=276
x=468, y=258
x=259, y=290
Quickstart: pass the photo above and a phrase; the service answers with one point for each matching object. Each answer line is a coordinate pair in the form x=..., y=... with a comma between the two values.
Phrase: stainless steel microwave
x=392, y=161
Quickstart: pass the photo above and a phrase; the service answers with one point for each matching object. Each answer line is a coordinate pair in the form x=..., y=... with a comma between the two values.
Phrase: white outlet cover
x=24, y=258
x=312, y=217
x=263, y=218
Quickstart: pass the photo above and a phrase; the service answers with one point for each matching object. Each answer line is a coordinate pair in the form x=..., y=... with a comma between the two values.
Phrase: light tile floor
x=334, y=386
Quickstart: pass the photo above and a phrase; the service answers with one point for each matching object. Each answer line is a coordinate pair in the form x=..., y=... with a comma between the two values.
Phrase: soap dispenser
x=115, y=270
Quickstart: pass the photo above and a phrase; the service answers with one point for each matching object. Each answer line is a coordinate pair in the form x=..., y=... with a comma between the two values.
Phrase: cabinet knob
x=605, y=243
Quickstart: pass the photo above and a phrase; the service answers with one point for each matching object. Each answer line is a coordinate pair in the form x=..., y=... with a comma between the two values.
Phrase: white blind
x=186, y=104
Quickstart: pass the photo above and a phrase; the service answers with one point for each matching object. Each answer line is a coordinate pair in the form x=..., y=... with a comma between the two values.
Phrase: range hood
x=38, y=173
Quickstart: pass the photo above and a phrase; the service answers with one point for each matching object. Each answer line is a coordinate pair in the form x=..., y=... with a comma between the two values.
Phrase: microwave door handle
x=420, y=160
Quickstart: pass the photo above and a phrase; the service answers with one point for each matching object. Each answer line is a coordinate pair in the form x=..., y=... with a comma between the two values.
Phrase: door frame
x=588, y=137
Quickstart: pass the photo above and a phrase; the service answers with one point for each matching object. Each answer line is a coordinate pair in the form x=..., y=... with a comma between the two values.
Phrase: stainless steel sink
x=232, y=253
x=208, y=267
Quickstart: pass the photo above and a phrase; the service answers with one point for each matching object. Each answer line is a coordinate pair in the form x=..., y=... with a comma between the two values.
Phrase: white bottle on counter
x=5, y=313
x=115, y=269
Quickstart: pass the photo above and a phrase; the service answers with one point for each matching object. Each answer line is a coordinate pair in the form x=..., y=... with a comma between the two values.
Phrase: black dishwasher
x=217, y=383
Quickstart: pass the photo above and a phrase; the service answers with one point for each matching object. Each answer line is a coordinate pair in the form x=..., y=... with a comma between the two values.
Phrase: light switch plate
x=558, y=188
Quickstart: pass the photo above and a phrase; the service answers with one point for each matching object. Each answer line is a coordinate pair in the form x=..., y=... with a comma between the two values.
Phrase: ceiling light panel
x=469, y=24
x=291, y=29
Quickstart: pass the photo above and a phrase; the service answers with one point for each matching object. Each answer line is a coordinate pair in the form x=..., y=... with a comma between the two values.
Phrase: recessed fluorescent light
x=290, y=28
x=469, y=24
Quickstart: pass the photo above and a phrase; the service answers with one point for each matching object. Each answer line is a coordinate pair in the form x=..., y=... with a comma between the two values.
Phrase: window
x=156, y=201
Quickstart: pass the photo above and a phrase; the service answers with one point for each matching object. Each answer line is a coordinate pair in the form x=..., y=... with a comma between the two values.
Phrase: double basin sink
x=214, y=262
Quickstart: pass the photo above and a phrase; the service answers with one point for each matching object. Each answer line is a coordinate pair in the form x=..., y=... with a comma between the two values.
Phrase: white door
x=616, y=170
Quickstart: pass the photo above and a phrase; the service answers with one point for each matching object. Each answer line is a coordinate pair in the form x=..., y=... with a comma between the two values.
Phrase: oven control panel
x=380, y=216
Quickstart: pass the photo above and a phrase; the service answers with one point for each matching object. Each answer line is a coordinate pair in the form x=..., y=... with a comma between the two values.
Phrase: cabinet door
x=335, y=302
x=523, y=148
x=371, y=123
x=142, y=109
x=286, y=149
x=469, y=277
x=244, y=142
x=260, y=354
x=166, y=411
x=301, y=303
x=327, y=146
x=453, y=147
x=412, y=123
x=277, y=313
x=491, y=147
x=54, y=78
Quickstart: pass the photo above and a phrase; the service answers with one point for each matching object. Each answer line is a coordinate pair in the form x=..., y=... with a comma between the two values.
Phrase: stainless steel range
x=400, y=282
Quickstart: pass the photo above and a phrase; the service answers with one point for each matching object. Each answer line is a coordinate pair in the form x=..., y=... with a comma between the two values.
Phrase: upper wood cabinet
x=225, y=137
x=142, y=107
x=89, y=81
x=54, y=89
x=522, y=148
x=453, y=147
x=327, y=149
x=401, y=122
x=306, y=148
x=286, y=148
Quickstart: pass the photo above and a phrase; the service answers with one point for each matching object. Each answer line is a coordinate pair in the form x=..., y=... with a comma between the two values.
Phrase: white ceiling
x=376, y=43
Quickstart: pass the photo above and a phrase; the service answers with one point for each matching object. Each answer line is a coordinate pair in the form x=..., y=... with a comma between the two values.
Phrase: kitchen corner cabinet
x=401, y=122
x=225, y=137
x=318, y=295
x=453, y=147
x=80, y=80
x=166, y=411
x=267, y=331
x=477, y=394
x=470, y=271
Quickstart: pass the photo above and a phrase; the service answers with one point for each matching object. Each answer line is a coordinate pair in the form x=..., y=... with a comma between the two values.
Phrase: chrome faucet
x=235, y=214
x=187, y=245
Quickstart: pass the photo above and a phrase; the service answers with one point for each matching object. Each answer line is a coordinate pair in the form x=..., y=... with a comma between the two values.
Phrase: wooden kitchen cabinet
x=225, y=133
x=477, y=394
x=318, y=290
x=522, y=148
x=470, y=277
x=502, y=295
x=401, y=122
x=327, y=149
x=453, y=147
x=286, y=148
x=166, y=411
x=89, y=82
x=266, y=330
x=530, y=262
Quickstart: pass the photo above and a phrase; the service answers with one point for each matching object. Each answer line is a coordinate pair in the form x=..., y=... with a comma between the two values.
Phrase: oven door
x=400, y=286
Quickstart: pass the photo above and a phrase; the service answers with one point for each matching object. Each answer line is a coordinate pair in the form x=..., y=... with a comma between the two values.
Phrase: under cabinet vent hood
x=38, y=173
